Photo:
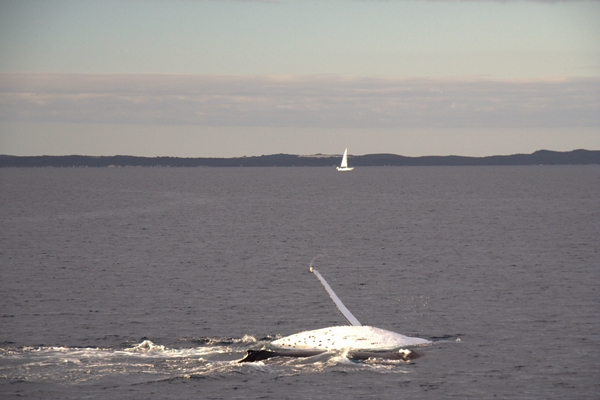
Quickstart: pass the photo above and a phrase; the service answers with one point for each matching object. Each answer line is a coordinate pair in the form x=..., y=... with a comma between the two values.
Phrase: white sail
x=345, y=159
x=344, y=165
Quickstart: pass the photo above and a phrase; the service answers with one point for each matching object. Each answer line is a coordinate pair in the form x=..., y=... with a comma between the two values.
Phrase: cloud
x=299, y=101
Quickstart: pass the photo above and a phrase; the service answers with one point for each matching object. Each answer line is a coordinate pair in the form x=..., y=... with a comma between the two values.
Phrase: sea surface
x=150, y=283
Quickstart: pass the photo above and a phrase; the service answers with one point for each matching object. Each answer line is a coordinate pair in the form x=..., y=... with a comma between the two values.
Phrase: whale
x=356, y=341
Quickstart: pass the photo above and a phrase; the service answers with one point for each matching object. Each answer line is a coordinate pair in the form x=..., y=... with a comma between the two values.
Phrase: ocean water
x=152, y=282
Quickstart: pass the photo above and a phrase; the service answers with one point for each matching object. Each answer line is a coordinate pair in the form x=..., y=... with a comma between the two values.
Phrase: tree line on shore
x=541, y=157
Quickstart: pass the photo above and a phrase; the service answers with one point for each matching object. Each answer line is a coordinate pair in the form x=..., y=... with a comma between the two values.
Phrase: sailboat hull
x=342, y=169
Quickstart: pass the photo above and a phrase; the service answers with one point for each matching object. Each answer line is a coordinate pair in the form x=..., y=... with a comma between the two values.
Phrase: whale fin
x=338, y=303
x=263, y=354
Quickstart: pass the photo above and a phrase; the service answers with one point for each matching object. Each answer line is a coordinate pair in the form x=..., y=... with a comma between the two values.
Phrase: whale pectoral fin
x=338, y=303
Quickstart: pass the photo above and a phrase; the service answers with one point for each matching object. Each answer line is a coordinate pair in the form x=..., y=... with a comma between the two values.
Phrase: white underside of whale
x=346, y=337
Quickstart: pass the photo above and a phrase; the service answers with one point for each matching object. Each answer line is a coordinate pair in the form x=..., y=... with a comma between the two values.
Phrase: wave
x=151, y=362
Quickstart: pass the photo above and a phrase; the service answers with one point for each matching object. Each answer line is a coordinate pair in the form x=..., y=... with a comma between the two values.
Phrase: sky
x=245, y=78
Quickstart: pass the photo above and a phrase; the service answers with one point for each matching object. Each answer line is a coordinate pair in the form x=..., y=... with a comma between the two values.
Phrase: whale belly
x=346, y=337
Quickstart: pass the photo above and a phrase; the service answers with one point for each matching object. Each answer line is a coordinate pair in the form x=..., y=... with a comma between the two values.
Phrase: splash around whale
x=357, y=341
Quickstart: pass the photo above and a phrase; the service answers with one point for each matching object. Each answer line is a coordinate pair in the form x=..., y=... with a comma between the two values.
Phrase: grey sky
x=226, y=78
x=300, y=101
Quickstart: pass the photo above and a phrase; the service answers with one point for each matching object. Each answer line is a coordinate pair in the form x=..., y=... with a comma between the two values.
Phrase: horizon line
x=316, y=155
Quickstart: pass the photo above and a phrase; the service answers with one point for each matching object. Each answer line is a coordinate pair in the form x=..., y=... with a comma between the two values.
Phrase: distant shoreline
x=541, y=157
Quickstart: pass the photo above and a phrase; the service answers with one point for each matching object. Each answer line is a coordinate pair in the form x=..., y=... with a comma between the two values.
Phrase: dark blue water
x=150, y=282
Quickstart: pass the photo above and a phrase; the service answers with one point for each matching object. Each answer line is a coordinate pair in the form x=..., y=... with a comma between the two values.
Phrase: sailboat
x=344, y=165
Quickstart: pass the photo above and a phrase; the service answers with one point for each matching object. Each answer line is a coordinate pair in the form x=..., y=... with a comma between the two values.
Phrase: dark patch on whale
x=403, y=354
